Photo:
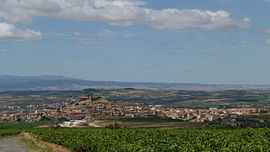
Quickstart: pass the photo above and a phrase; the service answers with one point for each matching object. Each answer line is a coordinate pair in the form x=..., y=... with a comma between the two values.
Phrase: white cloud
x=184, y=40
x=267, y=49
x=267, y=41
x=183, y=19
x=78, y=34
x=267, y=30
x=118, y=12
x=9, y=31
x=90, y=42
x=4, y=51
x=244, y=42
x=122, y=34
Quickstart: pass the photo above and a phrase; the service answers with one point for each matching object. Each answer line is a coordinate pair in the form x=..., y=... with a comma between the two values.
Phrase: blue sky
x=185, y=41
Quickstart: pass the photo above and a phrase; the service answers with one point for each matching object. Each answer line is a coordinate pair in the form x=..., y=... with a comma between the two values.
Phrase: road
x=12, y=145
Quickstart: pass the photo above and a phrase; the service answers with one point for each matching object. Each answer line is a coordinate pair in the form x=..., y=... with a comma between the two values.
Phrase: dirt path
x=36, y=145
x=12, y=145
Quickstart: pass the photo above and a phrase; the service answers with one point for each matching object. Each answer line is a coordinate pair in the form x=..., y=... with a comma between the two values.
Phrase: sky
x=178, y=41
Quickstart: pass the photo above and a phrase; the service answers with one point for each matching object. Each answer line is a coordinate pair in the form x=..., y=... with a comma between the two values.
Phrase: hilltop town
x=87, y=109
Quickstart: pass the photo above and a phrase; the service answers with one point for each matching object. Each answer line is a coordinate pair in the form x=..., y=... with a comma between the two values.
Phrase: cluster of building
x=29, y=117
x=212, y=114
x=89, y=108
x=31, y=113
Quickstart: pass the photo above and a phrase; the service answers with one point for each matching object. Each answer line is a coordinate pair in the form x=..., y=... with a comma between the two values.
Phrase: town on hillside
x=87, y=109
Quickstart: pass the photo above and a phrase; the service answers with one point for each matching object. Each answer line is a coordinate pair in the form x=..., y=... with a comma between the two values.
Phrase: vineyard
x=13, y=129
x=22, y=125
x=8, y=132
x=152, y=140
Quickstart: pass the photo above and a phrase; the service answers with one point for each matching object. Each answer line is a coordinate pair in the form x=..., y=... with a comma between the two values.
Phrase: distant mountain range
x=49, y=82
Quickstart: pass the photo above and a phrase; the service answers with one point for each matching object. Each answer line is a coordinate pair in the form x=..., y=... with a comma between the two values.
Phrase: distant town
x=89, y=108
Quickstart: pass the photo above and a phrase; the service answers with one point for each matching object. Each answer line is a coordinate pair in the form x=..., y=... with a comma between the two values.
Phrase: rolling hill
x=49, y=82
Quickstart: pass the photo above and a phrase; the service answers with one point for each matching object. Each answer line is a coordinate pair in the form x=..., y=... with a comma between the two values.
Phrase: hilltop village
x=90, y=108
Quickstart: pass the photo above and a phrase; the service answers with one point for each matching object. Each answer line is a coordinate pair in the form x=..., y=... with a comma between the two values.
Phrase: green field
x=152, y=140
x=13, y=129
x=149, y=124
x=8, y=132
x=22, y=125
x=147, y=140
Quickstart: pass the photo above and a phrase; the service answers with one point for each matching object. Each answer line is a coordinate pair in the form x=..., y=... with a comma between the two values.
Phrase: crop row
x=148, y=140
x=8, y=132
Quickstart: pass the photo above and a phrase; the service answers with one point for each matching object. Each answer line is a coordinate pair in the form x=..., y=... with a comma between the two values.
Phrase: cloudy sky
x=185, y=41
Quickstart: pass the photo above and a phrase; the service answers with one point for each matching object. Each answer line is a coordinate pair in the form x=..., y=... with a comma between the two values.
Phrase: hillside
x=48, y=82
x=175, y=98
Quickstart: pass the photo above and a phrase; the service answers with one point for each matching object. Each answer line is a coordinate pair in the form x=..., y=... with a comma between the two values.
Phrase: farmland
x=22, y=125
x=170, y=98
x=82, y=140
x=146, y=139
x=149, y=124
x=8, y=132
